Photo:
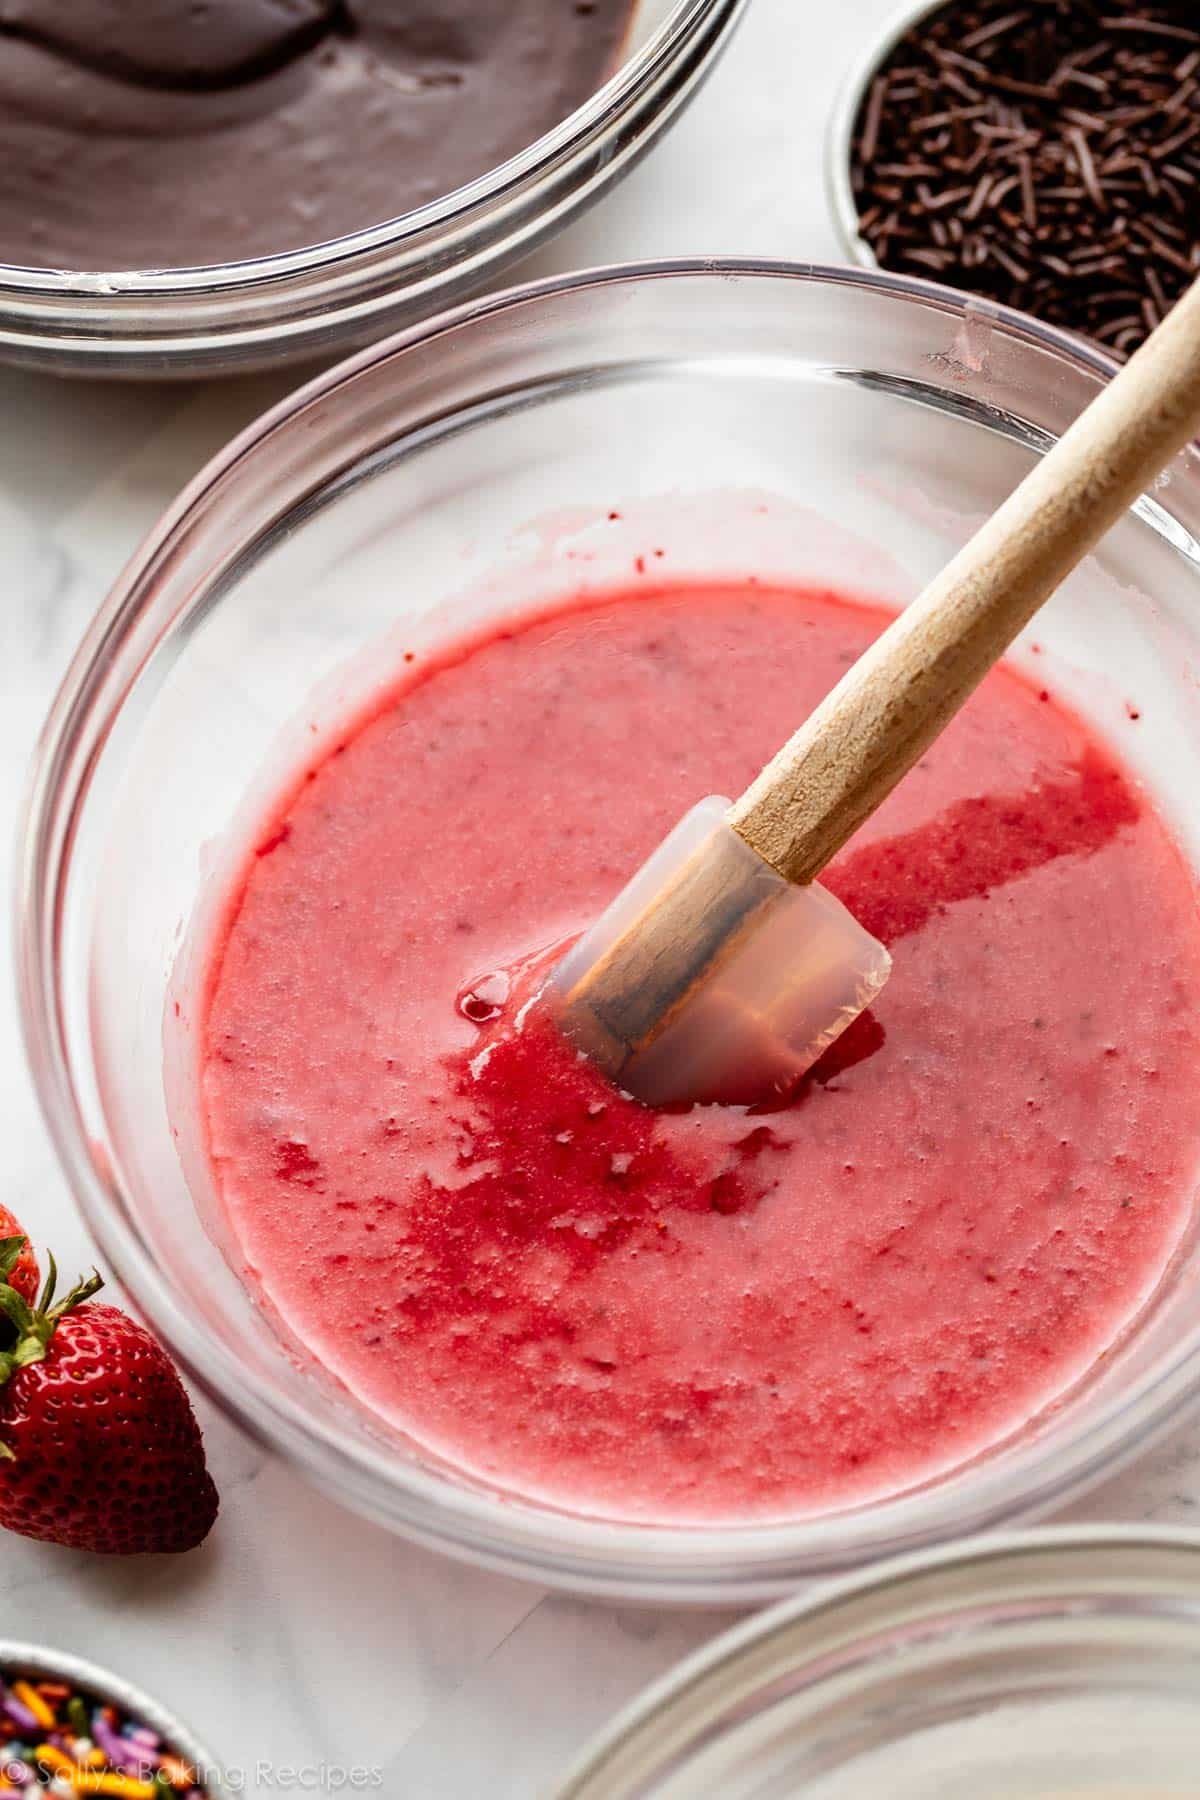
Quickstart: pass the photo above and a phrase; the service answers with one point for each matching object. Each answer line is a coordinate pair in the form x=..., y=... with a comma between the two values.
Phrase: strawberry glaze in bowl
x=795, y=424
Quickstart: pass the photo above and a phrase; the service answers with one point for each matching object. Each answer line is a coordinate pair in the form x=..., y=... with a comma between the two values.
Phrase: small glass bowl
x=307, y=303
x=32, y=1662
x=1058, y=1665
x=801, y=424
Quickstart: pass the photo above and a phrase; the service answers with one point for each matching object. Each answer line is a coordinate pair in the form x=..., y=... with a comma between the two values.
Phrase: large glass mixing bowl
x=792, y=421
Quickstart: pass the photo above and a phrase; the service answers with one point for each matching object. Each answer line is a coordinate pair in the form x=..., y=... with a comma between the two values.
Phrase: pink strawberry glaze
x=716, y=1315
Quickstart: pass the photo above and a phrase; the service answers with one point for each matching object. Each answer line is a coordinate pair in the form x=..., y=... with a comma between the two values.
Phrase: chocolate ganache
x=184, y=132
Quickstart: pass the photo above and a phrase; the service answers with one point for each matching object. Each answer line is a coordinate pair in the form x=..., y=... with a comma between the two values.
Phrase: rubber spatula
x=724, y=969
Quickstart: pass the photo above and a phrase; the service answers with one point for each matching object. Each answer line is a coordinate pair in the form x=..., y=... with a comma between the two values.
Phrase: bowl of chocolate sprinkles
x=1045, y=155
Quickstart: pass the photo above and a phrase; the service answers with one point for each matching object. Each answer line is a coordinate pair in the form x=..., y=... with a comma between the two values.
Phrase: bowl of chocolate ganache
x=192, y=186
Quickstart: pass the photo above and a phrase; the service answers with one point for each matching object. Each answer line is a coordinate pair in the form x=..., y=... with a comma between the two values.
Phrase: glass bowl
x=820, y=424
x=1040, y=1667
x=307, y=303
x=33, y=1662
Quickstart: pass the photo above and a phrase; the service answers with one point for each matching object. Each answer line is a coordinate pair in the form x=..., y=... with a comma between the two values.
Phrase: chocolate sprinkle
x=1046, y=155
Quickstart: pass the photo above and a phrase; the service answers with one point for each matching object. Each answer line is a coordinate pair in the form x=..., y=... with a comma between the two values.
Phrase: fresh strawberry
x=18, y=1264
x=99, y=1447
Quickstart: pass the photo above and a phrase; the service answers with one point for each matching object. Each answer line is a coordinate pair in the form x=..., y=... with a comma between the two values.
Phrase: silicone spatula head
x=723, y=970
x=710, y=977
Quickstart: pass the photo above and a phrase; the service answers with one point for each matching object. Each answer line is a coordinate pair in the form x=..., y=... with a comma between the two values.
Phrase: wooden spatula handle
x=895, y=700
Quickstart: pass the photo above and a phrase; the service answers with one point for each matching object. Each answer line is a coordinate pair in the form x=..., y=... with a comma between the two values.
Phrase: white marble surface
x=299, y=1635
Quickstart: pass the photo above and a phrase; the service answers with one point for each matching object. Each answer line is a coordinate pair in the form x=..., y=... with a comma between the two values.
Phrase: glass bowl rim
x=673, y=1564
x=596, y=115
x=905, y=1592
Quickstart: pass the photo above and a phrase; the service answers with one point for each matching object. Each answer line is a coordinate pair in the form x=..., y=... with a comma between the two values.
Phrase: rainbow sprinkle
x=56, y=1741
